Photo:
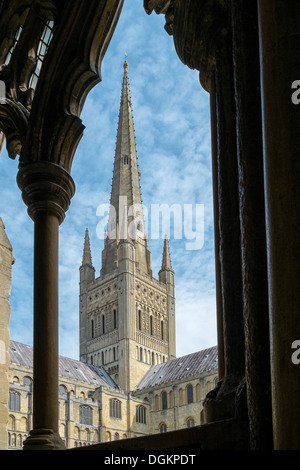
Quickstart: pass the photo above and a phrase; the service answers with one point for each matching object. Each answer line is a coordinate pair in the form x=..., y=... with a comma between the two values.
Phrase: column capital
x=198, y=28
x=46, y=187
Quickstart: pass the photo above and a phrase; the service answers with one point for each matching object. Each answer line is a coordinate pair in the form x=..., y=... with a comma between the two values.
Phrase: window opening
x=14, y=401
x=16, y=39
x=190, y=397
x=86, y=415
x=141, y=414
x=41, y=53
x=164, y=400
x=115, y=408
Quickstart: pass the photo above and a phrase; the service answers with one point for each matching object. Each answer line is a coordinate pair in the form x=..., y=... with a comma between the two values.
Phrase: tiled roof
x=22, y=354
x=180, y=368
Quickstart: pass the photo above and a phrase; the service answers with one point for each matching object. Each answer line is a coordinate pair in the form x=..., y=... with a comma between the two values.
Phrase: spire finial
x=166, y=261
x=87, y=257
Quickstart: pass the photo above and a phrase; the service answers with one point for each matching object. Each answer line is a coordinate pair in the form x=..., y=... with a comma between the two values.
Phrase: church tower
x=127, y=317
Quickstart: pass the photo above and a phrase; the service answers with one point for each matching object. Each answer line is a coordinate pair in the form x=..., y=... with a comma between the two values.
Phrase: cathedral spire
x=126, y=183
x=126, y=219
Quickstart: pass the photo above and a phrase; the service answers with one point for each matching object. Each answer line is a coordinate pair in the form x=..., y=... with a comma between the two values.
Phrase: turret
x=87, y=270
x=166, y=273
x=166, y=276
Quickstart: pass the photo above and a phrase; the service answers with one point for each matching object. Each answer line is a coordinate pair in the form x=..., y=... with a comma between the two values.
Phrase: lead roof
x=22, y=355
x=180, y=368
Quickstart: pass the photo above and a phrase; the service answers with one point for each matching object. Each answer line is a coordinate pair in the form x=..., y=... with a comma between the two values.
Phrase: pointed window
x=16, y=39
x=126, y=161
x=41, y=53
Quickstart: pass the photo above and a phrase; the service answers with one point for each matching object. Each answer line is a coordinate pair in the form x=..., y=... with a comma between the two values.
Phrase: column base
x=43, y=439
x=225, y=403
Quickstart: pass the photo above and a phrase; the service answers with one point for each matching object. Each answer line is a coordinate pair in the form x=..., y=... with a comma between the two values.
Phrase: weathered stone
x=6, y=261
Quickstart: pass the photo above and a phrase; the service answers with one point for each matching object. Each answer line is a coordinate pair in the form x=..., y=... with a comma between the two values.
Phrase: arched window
x=16, y=39
x=115, y=318
x=14, y=401
x=41, y=53
x=126, y=161
x=162, y=427
x=85, y=415
x=139, y=320
x=115, y=408
x=11, y=423
x=151, y=325
x=27, y=381
x=190, y=422
x=162, y=329
x=141, y=414
x=189, y=393
x=62, y=390
x=164, y=400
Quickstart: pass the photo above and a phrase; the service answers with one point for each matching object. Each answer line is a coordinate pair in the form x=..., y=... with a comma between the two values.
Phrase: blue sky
x=172, y=128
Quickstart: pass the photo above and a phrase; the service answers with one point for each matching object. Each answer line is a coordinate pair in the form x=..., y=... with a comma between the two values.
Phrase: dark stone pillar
x=228, y=399
x=252, y=220
x=279, y=35
x=219, y=308
x=47, y=190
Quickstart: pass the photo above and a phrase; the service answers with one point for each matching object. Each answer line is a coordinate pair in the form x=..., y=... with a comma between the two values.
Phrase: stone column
x=252, y=220
x=47, y=190
x=6, y=261
x=219, y=308
x=279, y=35
x=221, y=403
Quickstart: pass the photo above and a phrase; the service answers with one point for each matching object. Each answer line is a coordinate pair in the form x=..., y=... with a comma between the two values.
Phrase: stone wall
x=6, y=261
